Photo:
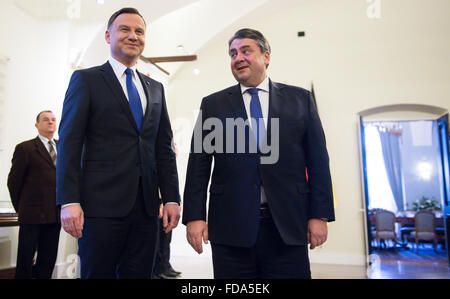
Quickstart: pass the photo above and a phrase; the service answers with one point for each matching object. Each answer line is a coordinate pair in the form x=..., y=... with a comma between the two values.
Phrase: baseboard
x=69, y=270
x=337, y=259
x=315, y=258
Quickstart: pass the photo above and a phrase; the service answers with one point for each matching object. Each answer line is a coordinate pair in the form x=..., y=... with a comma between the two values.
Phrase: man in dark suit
x=32, y=186
x=115, y=153
x=163, y=269
x=263, y=209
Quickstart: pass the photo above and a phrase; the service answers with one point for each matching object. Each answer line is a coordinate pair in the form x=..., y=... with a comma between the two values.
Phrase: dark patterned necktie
x=52, y=153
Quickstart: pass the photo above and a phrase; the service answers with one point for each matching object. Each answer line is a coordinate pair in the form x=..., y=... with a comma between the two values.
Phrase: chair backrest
x=385, y=220
x=425, y=221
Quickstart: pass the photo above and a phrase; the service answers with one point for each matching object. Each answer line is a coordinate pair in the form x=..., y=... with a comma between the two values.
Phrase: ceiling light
x=181, y=49
x=424, y=170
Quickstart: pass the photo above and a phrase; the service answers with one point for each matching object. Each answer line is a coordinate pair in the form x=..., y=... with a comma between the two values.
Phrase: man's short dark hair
x=130, y=10
x=39, y=115
x=252, y=34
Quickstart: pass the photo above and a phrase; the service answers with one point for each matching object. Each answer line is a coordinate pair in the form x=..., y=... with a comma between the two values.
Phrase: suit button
x=256, y=186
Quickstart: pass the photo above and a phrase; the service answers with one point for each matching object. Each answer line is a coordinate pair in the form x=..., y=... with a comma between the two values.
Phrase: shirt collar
x=263, y=86
x=45, y=140
x=119, y=68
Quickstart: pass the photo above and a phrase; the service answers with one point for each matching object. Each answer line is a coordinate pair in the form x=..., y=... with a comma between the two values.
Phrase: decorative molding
x=437, y=111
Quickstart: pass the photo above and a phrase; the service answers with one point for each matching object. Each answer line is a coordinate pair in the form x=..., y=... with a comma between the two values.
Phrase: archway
x=391, y=118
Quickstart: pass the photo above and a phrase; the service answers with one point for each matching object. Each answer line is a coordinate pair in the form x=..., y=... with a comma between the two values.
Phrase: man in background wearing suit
x=263, y=211
x=32, y=186
x=115, y=153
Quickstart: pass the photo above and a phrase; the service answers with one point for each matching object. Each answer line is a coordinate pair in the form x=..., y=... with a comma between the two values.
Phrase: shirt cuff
x=69, y=204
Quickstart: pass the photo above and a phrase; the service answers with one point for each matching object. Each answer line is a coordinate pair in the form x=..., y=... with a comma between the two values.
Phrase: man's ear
x=107, y=37
x=267, y=58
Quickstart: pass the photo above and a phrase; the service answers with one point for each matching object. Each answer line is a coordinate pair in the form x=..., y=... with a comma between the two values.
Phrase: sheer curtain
x=390, y=145
x=380, y=193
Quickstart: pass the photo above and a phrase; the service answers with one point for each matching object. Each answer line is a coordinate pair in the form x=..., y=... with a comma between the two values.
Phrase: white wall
x=355, y=63
x=37, y=67
x=38, y=71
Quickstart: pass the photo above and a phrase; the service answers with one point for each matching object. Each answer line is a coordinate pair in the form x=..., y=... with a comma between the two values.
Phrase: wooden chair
x=425, y=229
x=384, y=226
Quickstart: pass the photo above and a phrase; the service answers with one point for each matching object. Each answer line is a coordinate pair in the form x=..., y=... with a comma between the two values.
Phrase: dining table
x=406, y=218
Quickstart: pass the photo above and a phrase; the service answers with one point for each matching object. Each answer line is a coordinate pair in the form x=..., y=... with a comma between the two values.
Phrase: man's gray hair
x=252, y=34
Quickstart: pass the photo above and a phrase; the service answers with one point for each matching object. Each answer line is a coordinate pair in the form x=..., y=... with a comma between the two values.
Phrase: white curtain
x=380, y=193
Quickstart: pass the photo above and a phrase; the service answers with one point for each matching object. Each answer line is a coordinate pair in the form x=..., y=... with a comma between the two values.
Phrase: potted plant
x=426, y=203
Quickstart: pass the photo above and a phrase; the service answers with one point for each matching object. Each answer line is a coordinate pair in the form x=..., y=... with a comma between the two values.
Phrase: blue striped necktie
x=256, y=113
x=134, y=99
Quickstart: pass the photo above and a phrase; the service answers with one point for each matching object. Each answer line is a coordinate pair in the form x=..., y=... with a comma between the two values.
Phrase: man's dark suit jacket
x=234, y=202
x=101, y=153
x=32, y=183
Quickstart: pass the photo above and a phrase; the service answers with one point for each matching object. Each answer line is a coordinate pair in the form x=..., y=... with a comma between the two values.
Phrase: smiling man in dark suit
x=32, y=186
x=115, y=153
x=263, y=209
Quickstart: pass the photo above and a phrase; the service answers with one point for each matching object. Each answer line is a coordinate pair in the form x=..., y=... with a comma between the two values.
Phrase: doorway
x=404, y=159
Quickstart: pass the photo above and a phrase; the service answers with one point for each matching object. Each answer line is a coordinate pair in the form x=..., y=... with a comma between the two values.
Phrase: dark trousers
x=269, y=258
x=162, y=260
x=41, y=237
x=119, y=247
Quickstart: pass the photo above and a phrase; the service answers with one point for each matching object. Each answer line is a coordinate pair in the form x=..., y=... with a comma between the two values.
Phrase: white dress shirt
x=263, y=94
x=119, y=70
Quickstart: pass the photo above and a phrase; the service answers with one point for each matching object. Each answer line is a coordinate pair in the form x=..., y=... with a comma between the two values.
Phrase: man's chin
x=241, y=79
x=133, y=56
x=131, y=53
x=127, y=58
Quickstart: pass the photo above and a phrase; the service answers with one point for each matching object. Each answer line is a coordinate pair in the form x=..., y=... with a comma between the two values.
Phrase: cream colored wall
x=355, y=62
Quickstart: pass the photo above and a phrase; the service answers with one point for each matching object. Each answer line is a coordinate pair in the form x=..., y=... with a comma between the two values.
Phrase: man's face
x=126, y=37
x=248, y=63
x=47, y=124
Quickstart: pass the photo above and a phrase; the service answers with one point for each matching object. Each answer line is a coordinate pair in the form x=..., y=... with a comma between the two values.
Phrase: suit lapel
x=43, y=152
x=119, y=95
x=237, y=102
x=148, y=93
x=274, y=108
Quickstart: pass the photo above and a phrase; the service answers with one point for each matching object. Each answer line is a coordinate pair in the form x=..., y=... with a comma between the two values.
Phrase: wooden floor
x=387, y=264
x=398, y=263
